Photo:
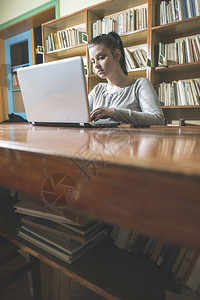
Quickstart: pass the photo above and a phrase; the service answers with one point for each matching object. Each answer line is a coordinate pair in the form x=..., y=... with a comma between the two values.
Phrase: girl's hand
x=101, y=113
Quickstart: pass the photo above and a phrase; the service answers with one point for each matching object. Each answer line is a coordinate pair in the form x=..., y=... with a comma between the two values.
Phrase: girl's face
x=105, y=63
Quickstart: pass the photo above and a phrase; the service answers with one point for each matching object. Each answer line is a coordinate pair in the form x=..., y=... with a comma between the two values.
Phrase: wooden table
x=143, y=179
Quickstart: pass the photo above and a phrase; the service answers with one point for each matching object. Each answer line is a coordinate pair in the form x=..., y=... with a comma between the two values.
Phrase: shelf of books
x=111, y=272
x=170, y=41
x=175, y=57
x=112, y=261
x=68, y=36
x=167, y=12
x=65, y=37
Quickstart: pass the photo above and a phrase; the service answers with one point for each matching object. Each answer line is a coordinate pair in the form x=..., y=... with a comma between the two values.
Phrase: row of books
x=181, y=262
x=177, y=10
x=184, y=50
x=136, y=58
x=67, y=238
x=128, y=21
x=181, y=92
x=65, y=38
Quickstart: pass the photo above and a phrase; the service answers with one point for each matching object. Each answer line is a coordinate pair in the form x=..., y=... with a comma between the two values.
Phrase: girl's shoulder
x=141, y=80
x=100, y=87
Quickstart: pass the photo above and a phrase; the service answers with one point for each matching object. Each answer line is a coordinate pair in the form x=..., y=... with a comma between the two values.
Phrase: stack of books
x=65, y=238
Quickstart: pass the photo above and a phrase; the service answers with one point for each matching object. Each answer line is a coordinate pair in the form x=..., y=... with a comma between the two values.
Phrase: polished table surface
x=145, y=179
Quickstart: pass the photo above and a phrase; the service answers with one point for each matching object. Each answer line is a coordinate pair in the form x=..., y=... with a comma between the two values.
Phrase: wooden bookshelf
x=167, y=34
x=88, y=16
x=150, y=36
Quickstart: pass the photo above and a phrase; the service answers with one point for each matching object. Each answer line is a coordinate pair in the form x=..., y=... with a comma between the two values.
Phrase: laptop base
x=79, y=125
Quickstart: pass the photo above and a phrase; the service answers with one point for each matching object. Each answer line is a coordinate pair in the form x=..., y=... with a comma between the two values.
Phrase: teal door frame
x=22, y=37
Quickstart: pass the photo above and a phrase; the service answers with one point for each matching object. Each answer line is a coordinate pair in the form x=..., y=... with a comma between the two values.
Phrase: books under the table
x=65, y=231
x=65, y=250
x=32, y=208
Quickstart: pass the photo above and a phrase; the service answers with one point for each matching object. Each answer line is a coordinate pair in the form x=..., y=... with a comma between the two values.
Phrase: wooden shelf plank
x=136, y=37
x=187, y=112
x=178, y=67
x=179, y=28
x=67, y=52
x=107, y=8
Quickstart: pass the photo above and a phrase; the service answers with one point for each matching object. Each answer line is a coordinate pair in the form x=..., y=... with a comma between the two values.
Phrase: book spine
x=191, y=266
x=184, y=266
x=157, y=250
x=193, y=281
x=178, y=260
x=185, y=8
x=162, y=254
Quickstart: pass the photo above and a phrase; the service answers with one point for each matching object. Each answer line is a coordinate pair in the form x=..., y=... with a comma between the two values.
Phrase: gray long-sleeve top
x=135, y=104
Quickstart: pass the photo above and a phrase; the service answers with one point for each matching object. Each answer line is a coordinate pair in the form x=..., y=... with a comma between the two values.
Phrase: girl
x=123, y=99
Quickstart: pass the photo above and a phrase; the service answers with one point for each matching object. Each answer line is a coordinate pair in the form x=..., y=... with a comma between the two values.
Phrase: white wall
x=10, y=9
x=70, y=6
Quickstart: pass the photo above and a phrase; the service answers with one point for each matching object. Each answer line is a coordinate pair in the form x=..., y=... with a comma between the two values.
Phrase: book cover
x=181, y=89
x=132, y=240
x=33, y=208
x=157, y=249
x=53, y=249
x=197, y=7
x=185, y=8
x=70, y=246
x=139, y=244
x=162, y=254
x=173, y=10
x=184, y=266
x=61, y=231
x=192, y=276
x=170, y=258
x=192, y=12
x=151, y=249
x=122, y=237
x=148, y=245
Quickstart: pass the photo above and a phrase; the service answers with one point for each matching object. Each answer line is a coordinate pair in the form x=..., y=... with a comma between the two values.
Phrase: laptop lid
x=55, y=92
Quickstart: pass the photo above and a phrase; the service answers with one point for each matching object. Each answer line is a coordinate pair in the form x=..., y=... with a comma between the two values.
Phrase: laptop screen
x=55, y=92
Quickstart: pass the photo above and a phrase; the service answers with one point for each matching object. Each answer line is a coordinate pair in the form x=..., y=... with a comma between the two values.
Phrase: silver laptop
x=55, y=93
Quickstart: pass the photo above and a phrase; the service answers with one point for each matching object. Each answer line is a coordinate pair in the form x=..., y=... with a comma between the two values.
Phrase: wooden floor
x=60, y=287
x=55, y=285
x=19, y=290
